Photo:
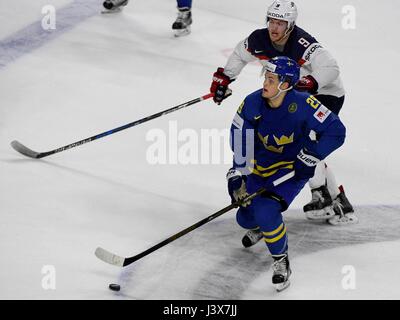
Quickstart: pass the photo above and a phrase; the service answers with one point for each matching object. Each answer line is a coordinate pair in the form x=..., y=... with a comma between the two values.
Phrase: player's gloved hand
x=304, y=166
x=219, y=86
x=307, y=83
x=237, y=186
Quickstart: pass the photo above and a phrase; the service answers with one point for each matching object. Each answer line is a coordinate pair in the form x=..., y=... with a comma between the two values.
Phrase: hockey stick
x=37, y=155
x=119, y=261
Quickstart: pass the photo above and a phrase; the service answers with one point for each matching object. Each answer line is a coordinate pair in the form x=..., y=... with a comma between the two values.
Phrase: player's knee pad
x=245, y=218
x=267, y=213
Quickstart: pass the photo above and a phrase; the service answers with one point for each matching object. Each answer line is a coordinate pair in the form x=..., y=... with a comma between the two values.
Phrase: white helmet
x=283, y=10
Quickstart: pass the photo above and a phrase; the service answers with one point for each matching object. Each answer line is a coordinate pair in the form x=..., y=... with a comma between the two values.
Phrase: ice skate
x=251, y=238
x=281, y=272
x=344, y=212
x=114, y=6
x=181, y=26
x=320, y=207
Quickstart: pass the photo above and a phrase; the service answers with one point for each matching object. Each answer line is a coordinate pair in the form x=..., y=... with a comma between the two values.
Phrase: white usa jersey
x=301, y=47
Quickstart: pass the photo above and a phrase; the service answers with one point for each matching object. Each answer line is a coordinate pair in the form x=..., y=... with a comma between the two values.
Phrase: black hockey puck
x=114, y=287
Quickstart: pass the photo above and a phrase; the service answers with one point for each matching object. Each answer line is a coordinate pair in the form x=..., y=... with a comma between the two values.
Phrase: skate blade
x=116, y=10
x=323, y=214
x=282, y=286
x=349, y=218
x=182, y=32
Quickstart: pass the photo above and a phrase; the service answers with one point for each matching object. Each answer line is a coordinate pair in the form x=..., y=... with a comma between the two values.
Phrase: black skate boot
x=281, y=272
x=112, y=6
x=344, y=212
x=181, y=26
x=320, y=206
x=251, y=237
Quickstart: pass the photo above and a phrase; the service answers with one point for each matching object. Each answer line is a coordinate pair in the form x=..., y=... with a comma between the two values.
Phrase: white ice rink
x=96, y=72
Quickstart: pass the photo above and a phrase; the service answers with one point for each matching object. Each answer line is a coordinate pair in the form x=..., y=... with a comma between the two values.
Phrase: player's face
x=271, y=83
x=276, y=29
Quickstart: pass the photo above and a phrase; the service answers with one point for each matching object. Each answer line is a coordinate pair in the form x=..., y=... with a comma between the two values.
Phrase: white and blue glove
x=237, y=186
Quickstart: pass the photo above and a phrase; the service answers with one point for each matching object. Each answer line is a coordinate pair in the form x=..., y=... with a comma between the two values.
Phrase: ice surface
x=102, y=71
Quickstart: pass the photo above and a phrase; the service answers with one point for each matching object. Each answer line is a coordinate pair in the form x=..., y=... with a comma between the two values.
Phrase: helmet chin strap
x=289, y=29
x=280, y=91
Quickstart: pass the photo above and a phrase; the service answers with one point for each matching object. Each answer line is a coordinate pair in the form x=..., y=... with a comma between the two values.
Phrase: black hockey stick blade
x=19, y=147
x=119, y=261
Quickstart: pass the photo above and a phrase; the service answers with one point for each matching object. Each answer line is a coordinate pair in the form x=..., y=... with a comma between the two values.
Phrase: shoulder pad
x=249, y=109
x=303, y=45
x=257, y=43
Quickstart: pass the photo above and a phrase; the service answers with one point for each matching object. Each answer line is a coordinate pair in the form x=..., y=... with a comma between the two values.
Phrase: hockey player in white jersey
x=320, y=76
x=181, y=25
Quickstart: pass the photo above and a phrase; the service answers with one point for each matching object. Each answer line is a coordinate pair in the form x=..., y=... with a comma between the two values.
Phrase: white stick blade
x=19, y=147
x=109, y=257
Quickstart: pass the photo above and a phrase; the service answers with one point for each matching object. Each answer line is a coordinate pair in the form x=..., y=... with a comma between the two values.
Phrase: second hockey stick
x=119, y=261
x=37, y=155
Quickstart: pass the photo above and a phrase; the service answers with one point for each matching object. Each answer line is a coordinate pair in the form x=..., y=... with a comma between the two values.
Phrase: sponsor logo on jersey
x=322, y=113
x=310, y=51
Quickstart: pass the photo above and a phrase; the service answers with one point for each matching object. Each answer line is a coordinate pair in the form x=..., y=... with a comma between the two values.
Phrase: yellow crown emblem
x=275, y=149
x=272, y=148
x=284, y=139
x=264, y=140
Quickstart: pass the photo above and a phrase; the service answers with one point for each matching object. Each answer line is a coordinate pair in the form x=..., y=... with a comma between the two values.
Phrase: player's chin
x=274, y=37
x=265, y=94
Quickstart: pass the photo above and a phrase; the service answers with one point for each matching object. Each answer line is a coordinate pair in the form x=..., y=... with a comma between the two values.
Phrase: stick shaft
x=126, y=126
x=130, y=260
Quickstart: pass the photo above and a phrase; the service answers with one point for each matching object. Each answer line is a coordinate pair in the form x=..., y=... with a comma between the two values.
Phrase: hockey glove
x=237, y=186
x=307, y=83
x=304, y=166
x=219, y=86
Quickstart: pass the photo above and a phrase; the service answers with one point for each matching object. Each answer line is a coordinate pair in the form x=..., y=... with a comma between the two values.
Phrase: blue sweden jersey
x=266, y=141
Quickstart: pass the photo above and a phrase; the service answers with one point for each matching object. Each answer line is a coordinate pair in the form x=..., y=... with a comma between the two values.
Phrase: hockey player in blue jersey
x=272, y=126
x=181, y=26
x=320, y=75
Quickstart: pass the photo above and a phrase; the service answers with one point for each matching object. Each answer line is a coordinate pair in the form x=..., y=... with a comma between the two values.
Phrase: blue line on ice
x=34, y=36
